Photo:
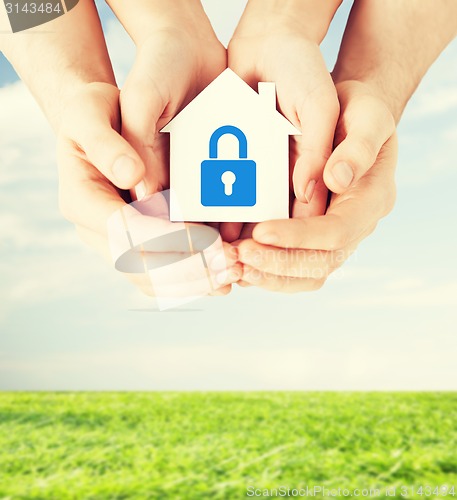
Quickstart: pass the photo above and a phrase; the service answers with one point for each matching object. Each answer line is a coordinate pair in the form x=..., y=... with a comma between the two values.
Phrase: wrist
x=145, y=18
x=53, y=90
x=308, y=19
x=70, y=54
x=378, y=83
x=58, y=81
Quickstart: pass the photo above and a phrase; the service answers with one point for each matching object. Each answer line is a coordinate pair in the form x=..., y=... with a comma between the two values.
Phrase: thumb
x=89, y=124
x=143, y=103
x=369, y=125
x=318, y=118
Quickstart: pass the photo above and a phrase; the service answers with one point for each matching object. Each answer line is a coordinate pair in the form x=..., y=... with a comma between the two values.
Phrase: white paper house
x=228, y=100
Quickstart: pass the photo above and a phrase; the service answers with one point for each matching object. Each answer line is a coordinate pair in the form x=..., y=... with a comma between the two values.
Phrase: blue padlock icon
x=228, y=183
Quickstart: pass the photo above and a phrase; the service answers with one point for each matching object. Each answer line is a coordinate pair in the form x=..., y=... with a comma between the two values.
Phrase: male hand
x=299, y=254
x=90, y=135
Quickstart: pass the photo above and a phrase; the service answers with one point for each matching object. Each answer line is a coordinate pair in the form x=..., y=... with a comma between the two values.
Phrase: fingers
x=348, y=216
x=222, y=292
x=143, y=102
x=327, y=232
x=311, y=264
x=89, y=200
x=230, y=231
x=299, y=254
x=367, y=124
x=318, y=116
x=219, y=275
x=91, y=124
x=310, y=92
x=86, y=198
x=330, y=232
x=317, y=205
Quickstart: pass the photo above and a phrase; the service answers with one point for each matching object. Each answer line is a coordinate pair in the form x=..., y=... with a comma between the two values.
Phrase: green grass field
x=215, y=445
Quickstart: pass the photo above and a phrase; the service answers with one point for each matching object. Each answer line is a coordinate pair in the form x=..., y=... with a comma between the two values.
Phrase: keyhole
x=228, y=179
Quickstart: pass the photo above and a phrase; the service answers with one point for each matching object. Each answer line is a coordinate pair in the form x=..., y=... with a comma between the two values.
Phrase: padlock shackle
x=228, y=130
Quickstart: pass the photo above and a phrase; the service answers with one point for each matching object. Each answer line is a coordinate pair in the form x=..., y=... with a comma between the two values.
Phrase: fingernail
x=343, y=174
x=140, y=190
x=124, y=170
x=309, y=191
x=269, y=239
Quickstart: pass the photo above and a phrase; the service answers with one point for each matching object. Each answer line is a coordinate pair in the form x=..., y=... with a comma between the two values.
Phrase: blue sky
x=386, y=320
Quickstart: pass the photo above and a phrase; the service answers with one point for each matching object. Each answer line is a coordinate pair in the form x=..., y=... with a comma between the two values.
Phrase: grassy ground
x=215, y=445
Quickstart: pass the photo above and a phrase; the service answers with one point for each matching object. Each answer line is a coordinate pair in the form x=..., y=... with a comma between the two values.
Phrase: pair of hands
x=109, y=143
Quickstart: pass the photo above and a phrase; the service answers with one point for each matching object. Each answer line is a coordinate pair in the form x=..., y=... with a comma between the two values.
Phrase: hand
x=173, y=64
x=267, y=46
x=299, y=254
x=89, y=134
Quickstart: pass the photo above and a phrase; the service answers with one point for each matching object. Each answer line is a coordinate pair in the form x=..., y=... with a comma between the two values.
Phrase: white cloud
x=20, y=233
x=67, y=274
x=451, y=135
x=22, y=118
x=436, y=100
x=27, y=145
x=425, y=366
x=403, y=284
x=43, y=262
x=428, y=131
x=42, y=257
x=224, y=17
x=437, y=93
x=408, y=293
